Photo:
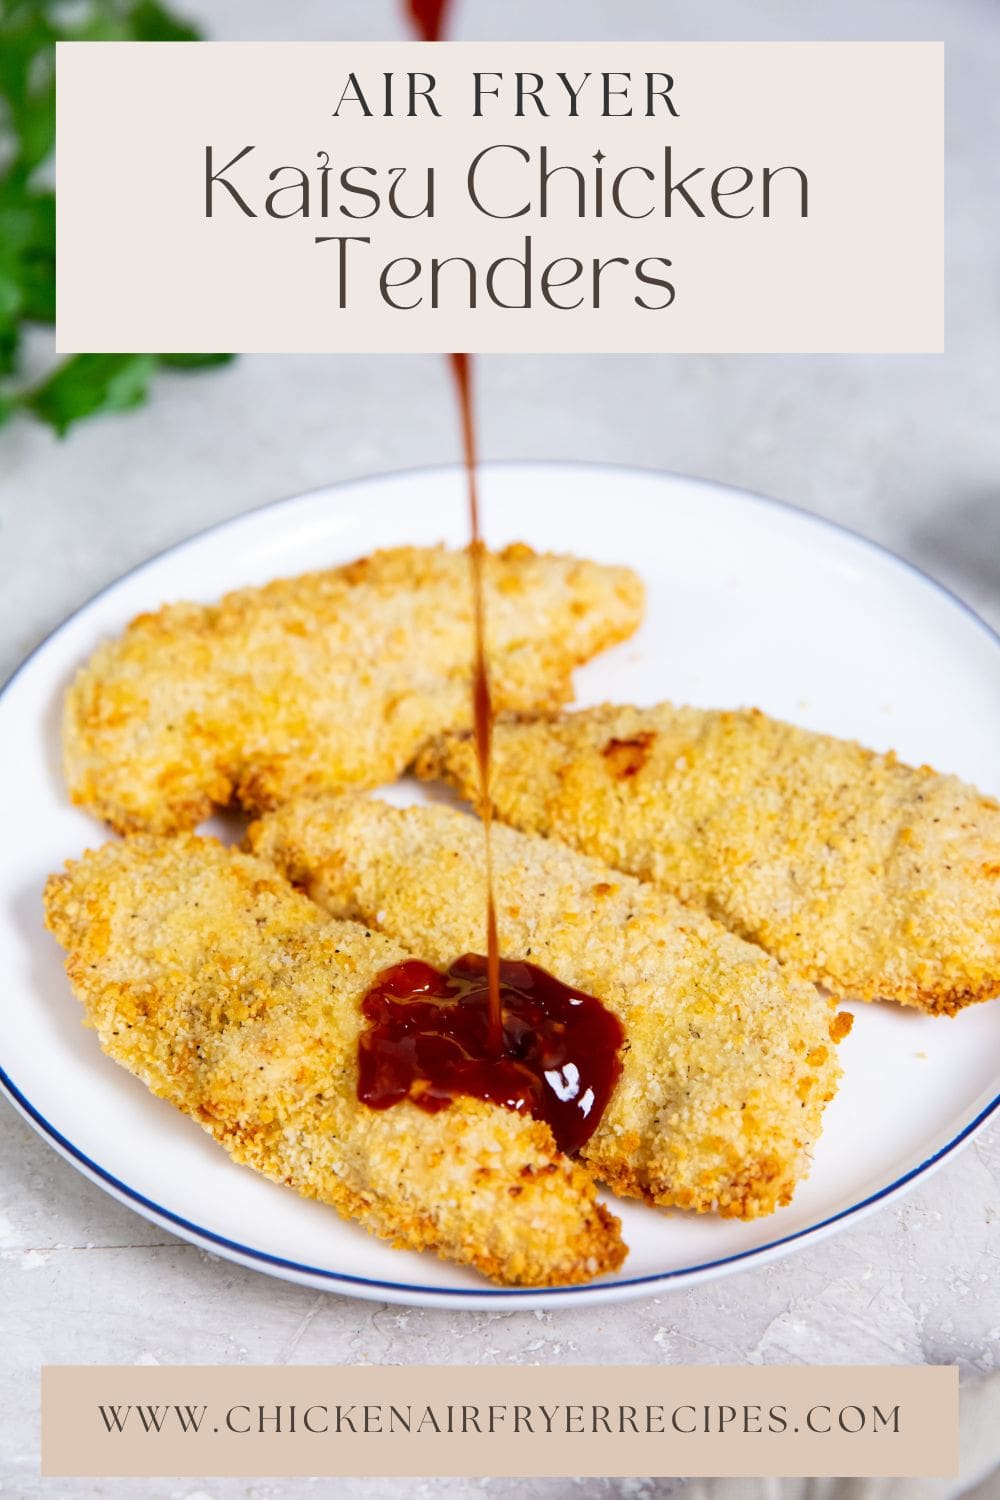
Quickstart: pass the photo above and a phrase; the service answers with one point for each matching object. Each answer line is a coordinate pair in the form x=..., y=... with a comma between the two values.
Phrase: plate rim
x=373, y=1288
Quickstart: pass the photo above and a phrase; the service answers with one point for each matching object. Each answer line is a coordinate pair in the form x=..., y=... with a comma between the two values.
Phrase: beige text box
x=814, y=170
x=499, y=1420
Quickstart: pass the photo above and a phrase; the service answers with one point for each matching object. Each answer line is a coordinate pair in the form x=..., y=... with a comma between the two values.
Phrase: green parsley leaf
x=86, y=384
x=90, y=383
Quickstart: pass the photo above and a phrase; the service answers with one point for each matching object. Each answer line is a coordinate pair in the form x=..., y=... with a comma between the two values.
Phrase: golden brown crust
x=325, y=681
x=729, y=1059
x=237, y=999
x=873, y=878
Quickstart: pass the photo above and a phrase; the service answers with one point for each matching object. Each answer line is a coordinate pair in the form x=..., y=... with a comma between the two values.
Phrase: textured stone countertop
x=905, y=450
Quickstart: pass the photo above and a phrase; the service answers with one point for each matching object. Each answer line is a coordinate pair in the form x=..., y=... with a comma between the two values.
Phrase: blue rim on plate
x=247, y=1254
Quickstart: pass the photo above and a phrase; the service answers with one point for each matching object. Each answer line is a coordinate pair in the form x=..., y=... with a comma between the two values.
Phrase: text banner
x=522, y=196
x=499, y=1420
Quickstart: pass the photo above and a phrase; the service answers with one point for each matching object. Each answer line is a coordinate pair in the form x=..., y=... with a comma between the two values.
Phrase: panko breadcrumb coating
x=728, y=1060
x=326, y=681
x=876, y=879
x=237, y=999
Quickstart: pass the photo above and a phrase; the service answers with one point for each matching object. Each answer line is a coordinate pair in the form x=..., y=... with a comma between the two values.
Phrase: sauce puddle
x=428, y=1041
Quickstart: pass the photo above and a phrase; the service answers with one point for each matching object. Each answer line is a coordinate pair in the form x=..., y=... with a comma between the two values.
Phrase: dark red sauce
x=482, y=701
x=428, y=17
x=428, y=1040
x=490, y=1028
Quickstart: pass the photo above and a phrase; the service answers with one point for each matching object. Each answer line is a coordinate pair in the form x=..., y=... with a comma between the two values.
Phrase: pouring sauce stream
x=427, y=17
x=501, y=1030
x=482, y=702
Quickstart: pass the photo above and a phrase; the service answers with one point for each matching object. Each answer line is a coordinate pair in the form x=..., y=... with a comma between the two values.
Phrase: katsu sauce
x=482, y=701
x=428, y=1040
x=427, y=17
x=497, y=1029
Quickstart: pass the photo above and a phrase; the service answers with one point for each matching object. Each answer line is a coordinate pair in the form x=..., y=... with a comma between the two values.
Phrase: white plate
x=749, y=602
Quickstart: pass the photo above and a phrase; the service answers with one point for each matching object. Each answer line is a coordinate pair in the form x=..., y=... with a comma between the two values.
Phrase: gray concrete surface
x=906, y=450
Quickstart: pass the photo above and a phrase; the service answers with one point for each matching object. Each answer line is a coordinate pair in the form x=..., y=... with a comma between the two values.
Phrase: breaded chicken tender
x=876, y=879
x=728, y=1060
x=326, y=681
x=237, y=999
